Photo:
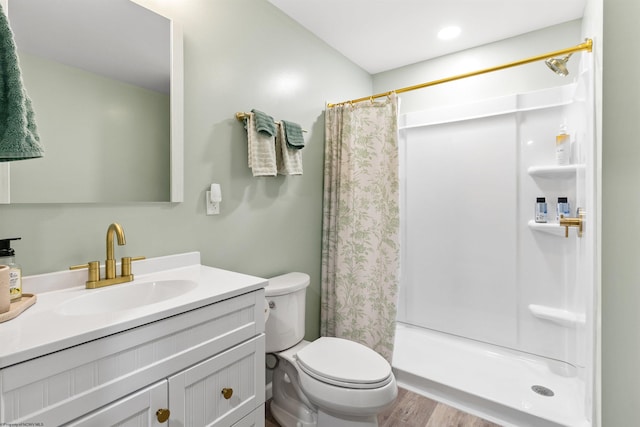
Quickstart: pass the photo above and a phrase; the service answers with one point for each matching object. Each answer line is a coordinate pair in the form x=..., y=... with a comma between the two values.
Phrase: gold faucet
x=110, y=277
x=110, y=263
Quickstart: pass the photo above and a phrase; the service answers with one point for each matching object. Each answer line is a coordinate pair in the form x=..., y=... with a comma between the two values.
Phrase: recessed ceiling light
x=448, y=33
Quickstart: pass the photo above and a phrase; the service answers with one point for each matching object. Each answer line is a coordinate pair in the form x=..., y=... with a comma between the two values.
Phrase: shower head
x=559, y=65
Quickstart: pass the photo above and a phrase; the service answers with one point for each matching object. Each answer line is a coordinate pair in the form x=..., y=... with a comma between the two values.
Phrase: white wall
x=473, y=264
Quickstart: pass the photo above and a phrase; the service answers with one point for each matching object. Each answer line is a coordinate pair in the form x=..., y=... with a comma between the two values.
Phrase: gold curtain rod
x=241, y=116
x=587, y=45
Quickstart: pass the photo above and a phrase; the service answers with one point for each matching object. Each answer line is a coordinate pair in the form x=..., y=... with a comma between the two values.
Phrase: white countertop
x=43, y=329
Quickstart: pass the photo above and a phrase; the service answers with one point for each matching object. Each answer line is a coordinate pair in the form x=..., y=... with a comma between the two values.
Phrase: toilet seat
x=344, y=363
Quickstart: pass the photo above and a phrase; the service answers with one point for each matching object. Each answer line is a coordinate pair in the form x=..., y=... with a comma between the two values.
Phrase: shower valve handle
x=578, y=222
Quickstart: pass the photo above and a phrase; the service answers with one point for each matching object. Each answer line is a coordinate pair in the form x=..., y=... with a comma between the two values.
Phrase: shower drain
x=542, y=390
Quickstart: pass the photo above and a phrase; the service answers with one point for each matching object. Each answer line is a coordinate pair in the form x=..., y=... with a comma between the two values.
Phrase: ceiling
x=381, y=35
x=114, y=38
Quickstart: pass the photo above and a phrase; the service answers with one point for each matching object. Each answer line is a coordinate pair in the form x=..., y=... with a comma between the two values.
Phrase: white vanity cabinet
x=206, y=366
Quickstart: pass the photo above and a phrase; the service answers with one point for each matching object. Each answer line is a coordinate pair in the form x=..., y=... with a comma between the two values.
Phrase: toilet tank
x=286, y=297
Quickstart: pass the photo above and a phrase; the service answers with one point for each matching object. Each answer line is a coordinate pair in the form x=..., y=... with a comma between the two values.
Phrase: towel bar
x=240, y=116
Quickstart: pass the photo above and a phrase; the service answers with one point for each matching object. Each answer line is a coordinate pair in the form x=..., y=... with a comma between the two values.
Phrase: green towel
x=19, y=138
x=264, y=123
x=293, y=133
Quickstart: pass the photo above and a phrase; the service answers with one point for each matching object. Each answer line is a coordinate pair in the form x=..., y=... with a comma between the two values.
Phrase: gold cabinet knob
x=227, y=393
x=163, y=415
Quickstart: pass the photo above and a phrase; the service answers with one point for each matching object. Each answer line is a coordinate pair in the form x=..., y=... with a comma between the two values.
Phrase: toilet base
x=289, y=409
x=286, y=406
x=287, y=419
x=332, y=420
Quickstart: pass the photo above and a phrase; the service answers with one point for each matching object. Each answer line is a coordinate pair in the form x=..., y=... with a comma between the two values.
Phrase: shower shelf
x=547, y=227
x=554, y=171
x=556, y=315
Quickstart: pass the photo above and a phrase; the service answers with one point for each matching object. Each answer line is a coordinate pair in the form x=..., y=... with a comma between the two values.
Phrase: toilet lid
x=344, y=363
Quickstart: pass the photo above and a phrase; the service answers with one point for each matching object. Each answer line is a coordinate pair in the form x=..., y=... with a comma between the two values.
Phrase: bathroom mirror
x=106, y=82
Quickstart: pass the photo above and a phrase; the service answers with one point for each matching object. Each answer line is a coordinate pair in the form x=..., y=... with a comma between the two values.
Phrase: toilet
x=330, y=382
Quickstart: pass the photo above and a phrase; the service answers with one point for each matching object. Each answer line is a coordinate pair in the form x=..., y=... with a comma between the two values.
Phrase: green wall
x=621, y=216
x=239, y=55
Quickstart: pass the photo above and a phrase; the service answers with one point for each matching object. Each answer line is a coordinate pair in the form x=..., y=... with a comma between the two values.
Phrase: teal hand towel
x=19, y=139
x=293, y=133
x=264, y=123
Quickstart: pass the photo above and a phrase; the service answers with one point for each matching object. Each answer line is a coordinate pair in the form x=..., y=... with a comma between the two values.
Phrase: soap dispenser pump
x=8, y=257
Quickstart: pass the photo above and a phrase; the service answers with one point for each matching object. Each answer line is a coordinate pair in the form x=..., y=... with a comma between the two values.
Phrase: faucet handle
x=573, y=222
x=126, y=264
x=93, y=267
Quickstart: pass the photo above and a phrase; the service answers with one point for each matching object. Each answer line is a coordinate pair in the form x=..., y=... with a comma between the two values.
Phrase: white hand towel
x=262, y=150
x=289, y=160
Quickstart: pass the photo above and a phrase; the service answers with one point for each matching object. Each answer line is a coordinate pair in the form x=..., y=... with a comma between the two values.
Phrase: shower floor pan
x=500, y=385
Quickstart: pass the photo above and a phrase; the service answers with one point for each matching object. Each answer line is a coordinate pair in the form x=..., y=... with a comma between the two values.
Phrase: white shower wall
x=459, y=257
x=472, y=265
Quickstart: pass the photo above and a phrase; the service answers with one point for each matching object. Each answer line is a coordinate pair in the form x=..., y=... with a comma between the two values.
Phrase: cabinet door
x=136, y=410
x=254, y=419
x=221, y=390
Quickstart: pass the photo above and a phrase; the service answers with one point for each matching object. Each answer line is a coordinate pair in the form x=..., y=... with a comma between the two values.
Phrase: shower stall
x=496, y=311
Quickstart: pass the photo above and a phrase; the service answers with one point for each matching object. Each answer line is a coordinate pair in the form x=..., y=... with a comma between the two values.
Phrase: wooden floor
x=413, y=410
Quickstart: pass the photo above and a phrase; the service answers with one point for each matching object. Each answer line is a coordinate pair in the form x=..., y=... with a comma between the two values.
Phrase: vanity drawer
x=221, y=390
x=137, y=409
x=65, y=385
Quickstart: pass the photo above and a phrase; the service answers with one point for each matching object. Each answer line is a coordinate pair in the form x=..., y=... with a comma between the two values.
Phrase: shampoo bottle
x=541, y=210
x=563, y=146
x=8, y=257
x=562, y=208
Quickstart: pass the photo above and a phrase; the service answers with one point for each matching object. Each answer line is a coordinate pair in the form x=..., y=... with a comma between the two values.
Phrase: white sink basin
x=124, y=297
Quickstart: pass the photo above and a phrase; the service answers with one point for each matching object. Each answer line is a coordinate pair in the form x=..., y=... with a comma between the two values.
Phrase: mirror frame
x=177, y=114
x=176, y=127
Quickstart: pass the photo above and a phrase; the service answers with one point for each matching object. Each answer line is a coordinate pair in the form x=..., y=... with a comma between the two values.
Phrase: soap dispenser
x=8, y=257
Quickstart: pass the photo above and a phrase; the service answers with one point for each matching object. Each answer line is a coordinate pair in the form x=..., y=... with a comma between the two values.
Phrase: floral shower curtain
x=361, y=224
